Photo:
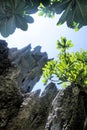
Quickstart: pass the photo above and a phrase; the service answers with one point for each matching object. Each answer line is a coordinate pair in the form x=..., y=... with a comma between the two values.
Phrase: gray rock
x=67, y=111
x=53, y=110
x=10, y=96
x=30, y=65
x=37, y=50
x=4, y=61
x=10, y=100
x=34, y=110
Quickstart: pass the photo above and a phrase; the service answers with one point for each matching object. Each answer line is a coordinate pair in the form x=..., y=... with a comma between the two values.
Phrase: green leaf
x=85, y=81
x=3, y=28
x=20, y=6
x=60, y=5
x=69, y=68
x=64, y=15
x=81, y=12
x=63, y=44
x=75, y=12
x=11, y=26
x=41, y=13
x=7, y=26
x=29, y=19
x=21, y=22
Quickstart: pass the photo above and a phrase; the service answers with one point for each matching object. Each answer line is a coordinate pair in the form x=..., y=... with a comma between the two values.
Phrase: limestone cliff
x=29, y=65
x=4, y=61
x=22, y=109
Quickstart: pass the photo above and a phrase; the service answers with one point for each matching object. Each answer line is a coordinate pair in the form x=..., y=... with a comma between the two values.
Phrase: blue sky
x=44, y=32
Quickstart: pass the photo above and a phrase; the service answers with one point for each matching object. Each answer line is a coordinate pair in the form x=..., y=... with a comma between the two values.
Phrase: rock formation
x=30, y=65
x=68, y=111
x=21, y=109
x=4, y=61
x=34, y=110
x=10, y=100
x=10, y=95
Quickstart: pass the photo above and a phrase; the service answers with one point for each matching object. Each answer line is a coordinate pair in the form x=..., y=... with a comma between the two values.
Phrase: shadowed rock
x=10, y=100
x=30, y=65
x=34, y=110
x=10, y=96
x=4, y=61
x=68, y=111
x=53, y=110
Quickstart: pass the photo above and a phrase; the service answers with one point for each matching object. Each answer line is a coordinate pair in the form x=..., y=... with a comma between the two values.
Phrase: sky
x=45, y=32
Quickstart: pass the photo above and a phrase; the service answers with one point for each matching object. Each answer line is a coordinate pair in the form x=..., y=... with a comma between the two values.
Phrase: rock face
x=30, y=65
x=10, y=96
x=10, y=100
x=4, y=61
x=68, y=111
x=25, y=110
x=34, y=110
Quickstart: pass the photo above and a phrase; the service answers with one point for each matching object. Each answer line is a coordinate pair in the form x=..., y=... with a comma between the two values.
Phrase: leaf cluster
x=16, y=14
x=74, y=12
x=69, y=68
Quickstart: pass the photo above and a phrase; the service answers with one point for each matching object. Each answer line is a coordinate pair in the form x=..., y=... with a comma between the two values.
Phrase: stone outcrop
x=10, y=100
x=4, y=61
x=10, y=95
x=68, y=111
x=21, y=109
x=34, y=110
x=30, y=65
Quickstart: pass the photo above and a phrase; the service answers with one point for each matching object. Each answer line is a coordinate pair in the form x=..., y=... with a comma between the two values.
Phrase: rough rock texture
x=53, y=110
x=10, y=100
x=10, y=96
x=4, y=61
x=30, y=65
x=68, y=111
x=34, y=110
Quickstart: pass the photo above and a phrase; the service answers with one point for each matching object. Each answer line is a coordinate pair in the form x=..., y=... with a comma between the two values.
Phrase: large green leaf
x=21, y=22
x=60, y=6
x=20, y=7
x=7, y=26
x=32, y=6
x=16, y=12
x=13, y=14
x=11, y=25
x=29, y=19
x=64, y=16
x=3, y=28
x=75, y=13
x=81, y=12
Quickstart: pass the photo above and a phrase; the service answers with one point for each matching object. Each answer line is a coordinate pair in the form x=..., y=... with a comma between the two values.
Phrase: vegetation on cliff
x=69, y=68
